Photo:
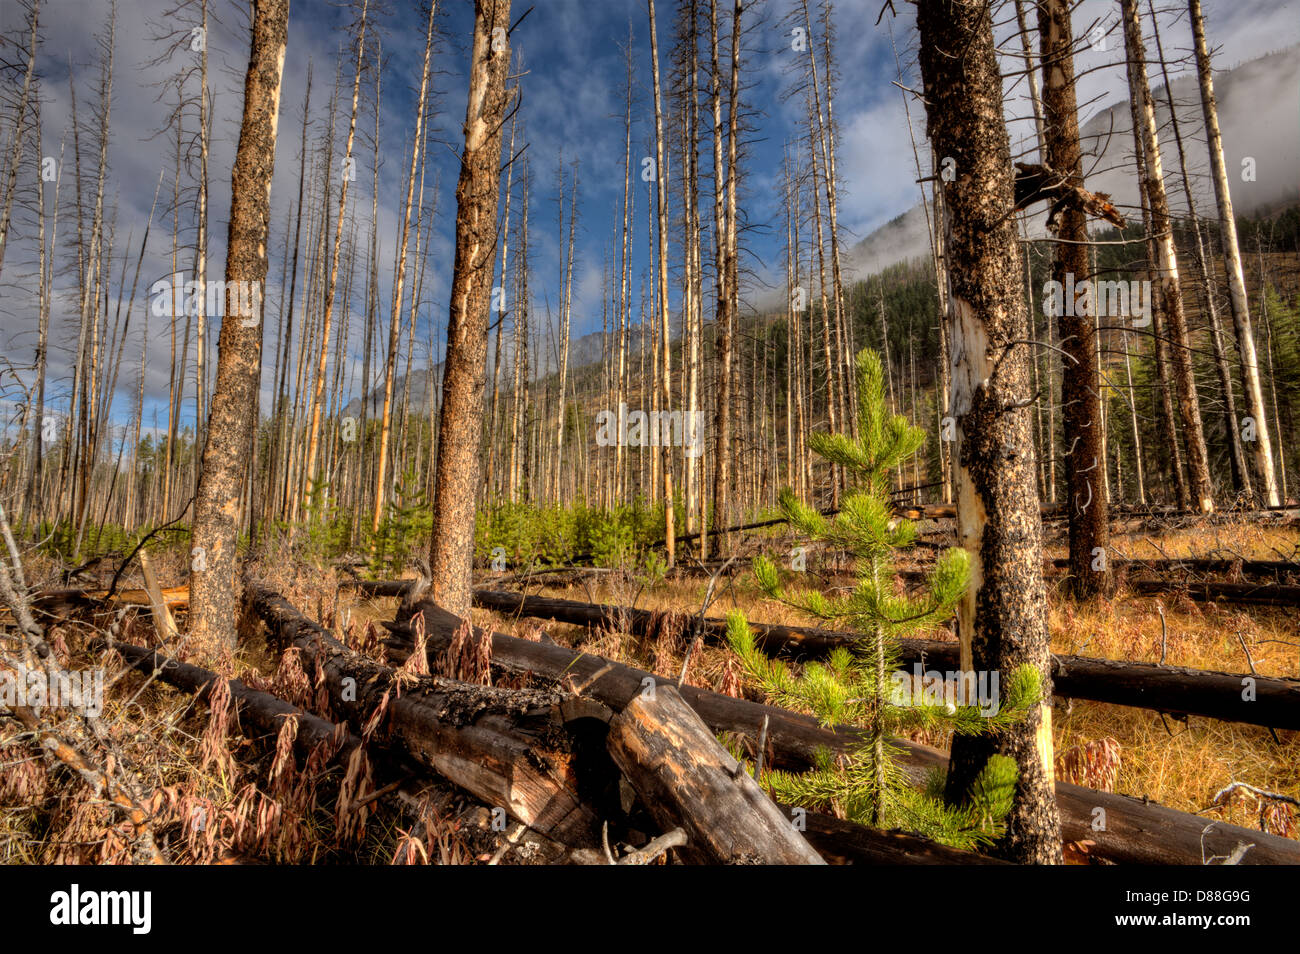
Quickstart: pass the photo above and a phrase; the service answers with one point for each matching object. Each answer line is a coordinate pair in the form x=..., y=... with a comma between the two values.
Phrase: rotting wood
x=509, y=748
x=685, y=778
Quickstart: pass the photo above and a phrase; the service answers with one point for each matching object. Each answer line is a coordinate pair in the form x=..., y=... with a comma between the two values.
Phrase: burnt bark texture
x=213, y=597
x=460, y=420
x=1085, y=461
x=1002, y=622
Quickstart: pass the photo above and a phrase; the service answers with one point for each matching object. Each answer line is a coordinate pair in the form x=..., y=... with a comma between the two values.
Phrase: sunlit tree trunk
x=213, y=592
x=460, y=424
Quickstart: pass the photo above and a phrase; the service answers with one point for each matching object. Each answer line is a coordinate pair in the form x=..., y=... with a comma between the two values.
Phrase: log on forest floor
x=1273, y=702
x=1242, y=594
x=684, y=777
x=509, y=748
x=1136, y=831
x=262, y=710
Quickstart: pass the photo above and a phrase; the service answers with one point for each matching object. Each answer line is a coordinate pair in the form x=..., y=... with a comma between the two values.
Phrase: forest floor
x=218, y=797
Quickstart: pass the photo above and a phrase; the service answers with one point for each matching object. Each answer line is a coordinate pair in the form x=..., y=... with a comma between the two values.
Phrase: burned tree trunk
x=239, y=361
x=1164, y=288
x=1086, y=503
x=661, y=276
x=507, y=747
x=1001, y=619
x=1262, y=447
x=460, y=420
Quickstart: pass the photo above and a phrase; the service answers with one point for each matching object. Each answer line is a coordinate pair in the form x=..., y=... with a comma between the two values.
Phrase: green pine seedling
x=861, y=685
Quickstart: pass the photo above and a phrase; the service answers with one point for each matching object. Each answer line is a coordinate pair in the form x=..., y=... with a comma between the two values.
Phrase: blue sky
x=572, y=105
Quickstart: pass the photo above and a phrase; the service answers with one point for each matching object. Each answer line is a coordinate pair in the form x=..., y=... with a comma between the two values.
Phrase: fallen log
x=261, y=709
x=1247, y=594
x=844, y=842
x=379, y=589
x=1165, y=836
x=684, y=777
x=1170, y=567
x=508, y=748
x=1272, y=702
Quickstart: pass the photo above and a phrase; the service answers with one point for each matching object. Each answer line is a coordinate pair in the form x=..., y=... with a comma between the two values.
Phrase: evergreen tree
x=861, y=685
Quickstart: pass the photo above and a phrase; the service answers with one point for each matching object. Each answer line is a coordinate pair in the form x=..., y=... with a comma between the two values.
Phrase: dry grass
x=216, y=796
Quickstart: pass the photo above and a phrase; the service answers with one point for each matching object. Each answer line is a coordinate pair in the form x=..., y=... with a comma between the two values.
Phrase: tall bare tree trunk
x=1240, y=473
x=1262, y=449
x=395, y=323
x=213, y=593
x=20, y=127
x=724, y=225
x=201, y=252
x=1160, y=344
x=1089, y=524
x=45, y=278
x=624, y=279
x=1002, y=620
x=1164, y=285
x=565, y=304
x=493, y=463
x=460, y=425
x=519, y=371
x=665, y=340
x=331, y=283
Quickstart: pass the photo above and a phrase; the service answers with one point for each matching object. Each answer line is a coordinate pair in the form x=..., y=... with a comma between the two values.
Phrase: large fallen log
x=684, y=777
x=1236, y=697
x=260, y=709
x=509, y=748
x=1135, y=831
x=1246, y=594
x=844, y=842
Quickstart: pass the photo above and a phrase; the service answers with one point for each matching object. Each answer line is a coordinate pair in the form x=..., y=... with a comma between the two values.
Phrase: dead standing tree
x=1089, y=529
x=1001, y=618
x=661, y=275
x=1262, y=448
x=1166, y=297
x=213, y=599
x=460, y=422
